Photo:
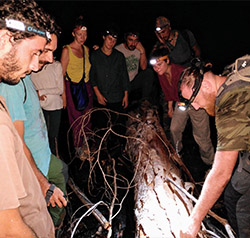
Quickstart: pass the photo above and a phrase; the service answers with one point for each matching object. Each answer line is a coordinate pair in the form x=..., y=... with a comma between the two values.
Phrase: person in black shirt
x=109, y=79
x=181, y=44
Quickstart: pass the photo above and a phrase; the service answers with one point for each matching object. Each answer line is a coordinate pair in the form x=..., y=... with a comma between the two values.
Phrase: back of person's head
x=188, y=77
x=111, y=29
x=25, y=19
x=196, y=71
x=80, y=24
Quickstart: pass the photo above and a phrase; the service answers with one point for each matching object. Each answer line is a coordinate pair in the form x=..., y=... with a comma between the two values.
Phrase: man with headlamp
x=28, y=119
x=110, y=81
x=140, y=76
x=182, y=45
x=24, y=28
x=108, y=73
x=227, y=98
x=168, y=75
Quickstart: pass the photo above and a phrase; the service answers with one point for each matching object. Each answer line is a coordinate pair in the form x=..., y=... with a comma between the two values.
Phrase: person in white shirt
x=141, y=77
x=49, y=85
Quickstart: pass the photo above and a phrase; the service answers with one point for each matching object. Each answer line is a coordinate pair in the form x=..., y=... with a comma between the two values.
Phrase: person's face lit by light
x=132, y=42
x=109, y=41
x=22, y=58
x=80, y=36
x=47, y=54
x=164, y=32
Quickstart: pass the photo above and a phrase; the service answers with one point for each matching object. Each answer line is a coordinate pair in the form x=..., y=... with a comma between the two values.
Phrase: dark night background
x=220, y=27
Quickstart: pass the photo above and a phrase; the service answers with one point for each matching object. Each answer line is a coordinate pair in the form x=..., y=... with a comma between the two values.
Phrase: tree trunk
x=160, y=208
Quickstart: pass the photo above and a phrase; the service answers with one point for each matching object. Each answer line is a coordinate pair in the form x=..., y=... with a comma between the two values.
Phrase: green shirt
x=232, y=112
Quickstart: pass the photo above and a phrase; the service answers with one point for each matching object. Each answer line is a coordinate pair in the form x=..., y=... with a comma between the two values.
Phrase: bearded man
x=141, y=77
x=24, y=32
x=26, y=114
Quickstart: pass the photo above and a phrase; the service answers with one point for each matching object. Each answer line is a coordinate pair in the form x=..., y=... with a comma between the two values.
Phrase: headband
x=21, y=26
x=80, y=28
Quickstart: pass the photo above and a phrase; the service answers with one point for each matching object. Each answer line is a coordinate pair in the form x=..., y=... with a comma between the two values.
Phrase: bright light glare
x=182, y=106
x=153, y=61
x=15, y=24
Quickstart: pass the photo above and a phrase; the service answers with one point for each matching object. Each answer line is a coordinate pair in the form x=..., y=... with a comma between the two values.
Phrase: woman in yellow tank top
x=75, y=61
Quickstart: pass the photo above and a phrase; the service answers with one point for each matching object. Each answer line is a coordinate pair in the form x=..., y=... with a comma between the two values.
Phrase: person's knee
x=174, y=128
x=58, y=172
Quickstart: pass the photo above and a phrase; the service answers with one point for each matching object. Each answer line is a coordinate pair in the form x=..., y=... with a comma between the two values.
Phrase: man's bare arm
x=12, y=225
x=143, y=57
x=57, y=197
x=213, y=187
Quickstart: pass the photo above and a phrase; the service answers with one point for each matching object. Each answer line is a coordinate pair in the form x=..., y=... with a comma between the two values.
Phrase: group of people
x=112, y=75
x=116, y=74
x=202, y=93
x=31, y=102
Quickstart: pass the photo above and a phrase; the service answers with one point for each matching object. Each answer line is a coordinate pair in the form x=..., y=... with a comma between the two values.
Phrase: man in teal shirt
x=26, y=114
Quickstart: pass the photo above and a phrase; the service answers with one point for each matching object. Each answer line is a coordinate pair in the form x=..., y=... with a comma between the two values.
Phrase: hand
x=42, y=97
x=101, y=100
x=140, y=47
x=190, y=230
x=159, y=38
x=125, y=101
x=57, y=198
x=170, y=112
x=95, y=47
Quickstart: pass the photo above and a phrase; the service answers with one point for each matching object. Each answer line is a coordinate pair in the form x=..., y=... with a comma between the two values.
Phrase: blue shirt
x=27, y=108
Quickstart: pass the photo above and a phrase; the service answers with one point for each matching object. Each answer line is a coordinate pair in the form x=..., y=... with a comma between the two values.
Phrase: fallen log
x=160, y=208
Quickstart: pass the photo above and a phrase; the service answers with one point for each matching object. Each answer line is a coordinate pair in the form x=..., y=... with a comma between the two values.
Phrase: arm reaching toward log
x=214, y=185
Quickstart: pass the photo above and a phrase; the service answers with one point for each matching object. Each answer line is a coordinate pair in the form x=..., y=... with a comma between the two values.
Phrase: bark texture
x=160, y=208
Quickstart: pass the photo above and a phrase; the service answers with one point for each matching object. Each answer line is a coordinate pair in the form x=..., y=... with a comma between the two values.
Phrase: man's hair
x=197, y=70
x=188, y=77
x=111, y=29
x=28, y=12
x=131, y=32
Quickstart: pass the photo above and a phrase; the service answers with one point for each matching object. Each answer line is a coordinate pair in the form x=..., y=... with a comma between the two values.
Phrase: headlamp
x=197, y=67
x=182, y=106
x=161, y=28
x=132, y=33
x=153, y=61
x=80, y=28
x=21, y=26
x=112, y=34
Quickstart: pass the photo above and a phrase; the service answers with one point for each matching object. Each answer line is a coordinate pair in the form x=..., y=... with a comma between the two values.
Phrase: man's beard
x=210, y=106
x=10, y=64
x=132, y=47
